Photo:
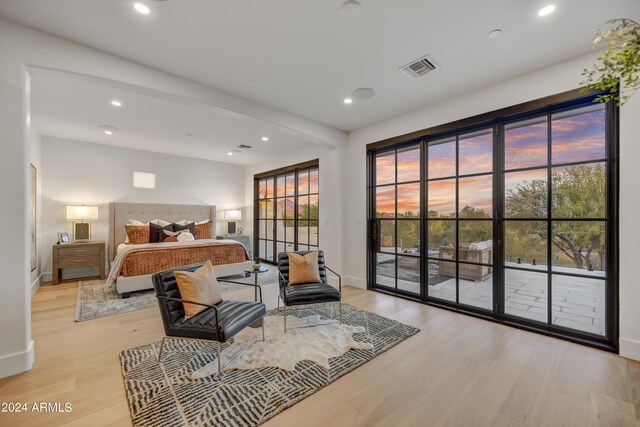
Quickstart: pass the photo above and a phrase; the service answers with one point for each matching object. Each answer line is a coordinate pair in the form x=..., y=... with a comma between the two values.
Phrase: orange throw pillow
x=137, y=234
x=200, y=286
x=303, y=268
x=204, y=231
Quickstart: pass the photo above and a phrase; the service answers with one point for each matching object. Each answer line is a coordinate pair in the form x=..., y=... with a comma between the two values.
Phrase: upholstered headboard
x=121, y=213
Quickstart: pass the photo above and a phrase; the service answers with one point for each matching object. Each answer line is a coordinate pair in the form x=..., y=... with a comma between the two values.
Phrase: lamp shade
x=232, y=215
x=81, y=213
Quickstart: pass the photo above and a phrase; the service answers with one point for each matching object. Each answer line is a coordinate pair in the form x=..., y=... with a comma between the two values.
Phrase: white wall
x=329, y=197
x=548, y=81
x=21, y=47
x=76, y=172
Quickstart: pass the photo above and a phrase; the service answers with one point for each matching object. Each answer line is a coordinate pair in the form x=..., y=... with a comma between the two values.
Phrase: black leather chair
x=217, y=323
x=307, y=293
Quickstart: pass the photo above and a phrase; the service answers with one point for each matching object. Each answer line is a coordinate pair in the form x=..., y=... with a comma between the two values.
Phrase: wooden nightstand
x=77, y=255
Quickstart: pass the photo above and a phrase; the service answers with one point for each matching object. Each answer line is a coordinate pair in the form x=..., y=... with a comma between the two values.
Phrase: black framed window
x=516, y=218
x=286, y=210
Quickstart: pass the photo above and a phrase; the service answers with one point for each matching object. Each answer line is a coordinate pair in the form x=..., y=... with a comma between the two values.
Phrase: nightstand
x=77, y=255
x=238, y=238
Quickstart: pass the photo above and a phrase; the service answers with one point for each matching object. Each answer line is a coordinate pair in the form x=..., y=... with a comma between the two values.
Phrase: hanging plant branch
x=618, y=69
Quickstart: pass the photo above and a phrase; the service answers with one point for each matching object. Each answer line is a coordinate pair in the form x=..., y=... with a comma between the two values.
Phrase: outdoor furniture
x=474, y=272
x=307, y=293
x=217, y=323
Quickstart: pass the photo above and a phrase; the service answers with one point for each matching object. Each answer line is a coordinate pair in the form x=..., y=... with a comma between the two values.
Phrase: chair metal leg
x=219, y=376
x=340, y=305
x=161, y=348
x=285, y=318
x=278, y=301
x=262, y=328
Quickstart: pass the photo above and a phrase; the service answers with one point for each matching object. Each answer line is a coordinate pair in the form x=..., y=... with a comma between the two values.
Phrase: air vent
x=244, y=147
x=419, y=67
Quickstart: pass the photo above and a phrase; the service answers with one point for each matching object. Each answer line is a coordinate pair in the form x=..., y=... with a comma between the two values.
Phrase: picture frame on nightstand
x=63, y=238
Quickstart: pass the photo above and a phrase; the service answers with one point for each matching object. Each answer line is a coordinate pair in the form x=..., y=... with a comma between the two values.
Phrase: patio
x=578, y=303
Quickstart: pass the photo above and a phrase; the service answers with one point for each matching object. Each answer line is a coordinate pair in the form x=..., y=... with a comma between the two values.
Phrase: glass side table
x=255, y=273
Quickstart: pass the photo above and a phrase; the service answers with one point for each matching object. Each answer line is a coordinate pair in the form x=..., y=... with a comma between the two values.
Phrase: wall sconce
x=82, y=213
x=231, y=216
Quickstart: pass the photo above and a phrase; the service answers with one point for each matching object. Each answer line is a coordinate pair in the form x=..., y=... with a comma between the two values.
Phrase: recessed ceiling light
x=116, y=103
x=141, y=8
x=495, y=33
x=547, y=10
x=229, y=153
x=348, y=100
x=108, y=132
x=350, y=8
x=265, y=139
x=363, y=93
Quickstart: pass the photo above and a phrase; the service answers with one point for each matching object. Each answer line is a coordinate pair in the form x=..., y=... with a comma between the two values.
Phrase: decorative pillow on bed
x=190, y=226
x=303, y=268
x=156, y=234
x=200, y=286
x=204, y=230
x=185, y=237
x=137, y=234
x=172, y=236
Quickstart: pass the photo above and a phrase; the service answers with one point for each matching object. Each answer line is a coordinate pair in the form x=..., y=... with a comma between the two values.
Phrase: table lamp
x=79, y=214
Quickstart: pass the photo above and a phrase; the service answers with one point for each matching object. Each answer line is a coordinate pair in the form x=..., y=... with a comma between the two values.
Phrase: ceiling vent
x=419, y=67
x=244, y=147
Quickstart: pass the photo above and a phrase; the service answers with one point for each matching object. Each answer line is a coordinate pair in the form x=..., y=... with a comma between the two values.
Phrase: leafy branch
x=618, y=69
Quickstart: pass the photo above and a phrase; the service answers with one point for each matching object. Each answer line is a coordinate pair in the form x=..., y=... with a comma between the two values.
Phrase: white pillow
x=136, y=223
x=203, y=222
x=160, y=222
x=183, y=222
x=185, y=237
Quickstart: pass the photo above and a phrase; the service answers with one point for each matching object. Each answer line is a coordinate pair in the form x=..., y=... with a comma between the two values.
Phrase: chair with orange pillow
x=303, y=281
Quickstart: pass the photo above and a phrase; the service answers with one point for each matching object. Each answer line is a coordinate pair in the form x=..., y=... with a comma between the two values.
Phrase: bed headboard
x=121, y=213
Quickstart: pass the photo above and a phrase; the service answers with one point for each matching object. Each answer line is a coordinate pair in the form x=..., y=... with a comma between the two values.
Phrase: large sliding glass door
x=513, y=220
x=286, y=210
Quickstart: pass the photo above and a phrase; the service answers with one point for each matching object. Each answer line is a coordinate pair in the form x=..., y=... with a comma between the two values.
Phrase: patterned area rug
x=96, y=299
x=164, y=394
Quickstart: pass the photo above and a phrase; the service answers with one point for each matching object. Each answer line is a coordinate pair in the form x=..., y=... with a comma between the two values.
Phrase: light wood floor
x=457, y=371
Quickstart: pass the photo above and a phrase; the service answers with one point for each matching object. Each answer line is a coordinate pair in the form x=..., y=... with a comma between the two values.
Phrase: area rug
x=163, y=393
x=95, y=299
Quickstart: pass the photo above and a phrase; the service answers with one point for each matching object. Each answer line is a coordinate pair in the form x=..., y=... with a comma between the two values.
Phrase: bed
x=131, y=266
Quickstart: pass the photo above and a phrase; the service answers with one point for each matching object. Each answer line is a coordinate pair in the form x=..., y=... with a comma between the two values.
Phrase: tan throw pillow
x=200, y=286
x=137, y=234
x=204, y=230
x=303, y=268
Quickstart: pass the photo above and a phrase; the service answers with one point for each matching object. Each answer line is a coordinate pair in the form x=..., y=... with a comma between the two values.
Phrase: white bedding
x=124, y=249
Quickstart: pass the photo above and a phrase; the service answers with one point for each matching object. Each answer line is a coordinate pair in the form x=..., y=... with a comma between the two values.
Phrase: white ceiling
x=304, y=57
x=68, y=106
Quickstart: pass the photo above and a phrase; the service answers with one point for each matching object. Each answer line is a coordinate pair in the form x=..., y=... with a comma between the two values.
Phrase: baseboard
x=630, y=348
x=17, y=363
x=36, y=285
x=46, y=277
x=356, y=282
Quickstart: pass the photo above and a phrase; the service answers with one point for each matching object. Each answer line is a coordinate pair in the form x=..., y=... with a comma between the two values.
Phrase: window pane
x=441, y=198
x=291, y=185
x=269, y=187
x=303, y=207
x=578, y=135
x=525, y=194
x=409, y=236
x=387, y=236
x=385, y=168
x=441, y=238
x=579, y=191
x=269, y=226
x=262, y=249
x=475, y=153
x=270, y=251
x=409, y=200
x=475, y=241
x=386, y=202
x=313, y=181
x=409, y=164
x=476, y=197
x=525, y=144
x=280, y=207
x=262, y=209
x=303, y=182
x=313, y=233
x=442, y=159
x=579, y=247
x=262, y=189
x=386, y=270
x=289, y=208
x=525, y=295
x=280, y=186
x=525, y=244
x=475, y=285
x=313, y=207
x=579, y=303
x=262, y=233
x=303, y=232
x=280, y=230
x=442, y=280
x=269, y=208
x=280, y=248
x=409, y=274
